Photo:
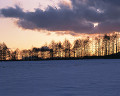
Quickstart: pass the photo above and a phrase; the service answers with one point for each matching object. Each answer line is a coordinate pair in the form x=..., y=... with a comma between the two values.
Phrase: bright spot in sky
x=100, y=11
x=96, y=24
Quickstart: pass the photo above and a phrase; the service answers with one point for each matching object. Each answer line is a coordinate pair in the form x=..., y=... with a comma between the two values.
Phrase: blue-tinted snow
x=60, y=78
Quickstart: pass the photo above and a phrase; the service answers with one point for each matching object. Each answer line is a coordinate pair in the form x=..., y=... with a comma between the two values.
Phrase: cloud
x=16, y=12
x=109, y=26
x=78, y=17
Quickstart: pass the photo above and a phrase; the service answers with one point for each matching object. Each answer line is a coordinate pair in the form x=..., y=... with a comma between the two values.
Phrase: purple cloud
x=79, y=19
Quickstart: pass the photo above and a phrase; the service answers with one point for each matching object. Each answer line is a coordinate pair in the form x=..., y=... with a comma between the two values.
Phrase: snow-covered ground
x=60, y=78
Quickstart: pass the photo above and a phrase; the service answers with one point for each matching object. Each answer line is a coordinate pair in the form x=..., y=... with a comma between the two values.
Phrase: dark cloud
x=78, y=19
x=113, y=2
x=16, y=12
x=109, y=26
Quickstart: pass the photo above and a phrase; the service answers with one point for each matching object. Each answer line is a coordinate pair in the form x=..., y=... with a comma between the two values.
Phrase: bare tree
x=67, y=48
x=77, y=48
x=59, y=46
x=53, y=47
x=86, y=46
x=106, y=40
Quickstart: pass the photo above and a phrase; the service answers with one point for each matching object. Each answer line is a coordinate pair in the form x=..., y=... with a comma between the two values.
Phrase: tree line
x=101, y=45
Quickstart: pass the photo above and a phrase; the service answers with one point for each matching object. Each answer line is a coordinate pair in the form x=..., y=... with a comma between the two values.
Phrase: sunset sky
x=27, y=23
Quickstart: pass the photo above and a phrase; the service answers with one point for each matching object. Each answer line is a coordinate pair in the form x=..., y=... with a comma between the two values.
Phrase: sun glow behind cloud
x=96, y=24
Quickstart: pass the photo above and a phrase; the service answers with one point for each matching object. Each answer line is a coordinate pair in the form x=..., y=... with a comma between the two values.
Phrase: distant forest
x=101, y=45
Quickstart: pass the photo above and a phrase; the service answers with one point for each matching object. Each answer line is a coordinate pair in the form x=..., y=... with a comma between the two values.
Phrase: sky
x=28, y=23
